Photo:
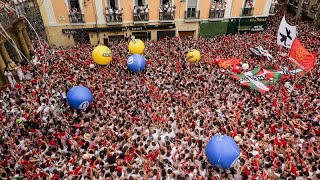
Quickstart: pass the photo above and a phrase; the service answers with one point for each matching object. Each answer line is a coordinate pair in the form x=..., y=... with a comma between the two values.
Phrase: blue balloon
x=136, y=63
x=222, y=151
x=79, y=97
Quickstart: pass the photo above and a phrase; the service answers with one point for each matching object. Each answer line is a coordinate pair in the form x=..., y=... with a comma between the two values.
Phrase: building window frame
x=107, y=3
x=68, y=4
x=134, y=3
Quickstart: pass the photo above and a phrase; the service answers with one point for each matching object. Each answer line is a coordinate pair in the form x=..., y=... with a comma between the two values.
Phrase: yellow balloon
x=136, y=46
x=102, y=55
x=193, y=55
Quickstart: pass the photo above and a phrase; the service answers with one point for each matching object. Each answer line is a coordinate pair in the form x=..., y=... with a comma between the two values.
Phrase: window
x=191, y=9
x=162, y=2
x=248, y=4
x=113, y=4
x=74, y=4
x=192, y=4
x=140, y=2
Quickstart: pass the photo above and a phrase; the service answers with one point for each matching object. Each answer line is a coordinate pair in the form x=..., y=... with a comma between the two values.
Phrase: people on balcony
x=217, y=9
x=248, y=7
x=114, y=14
x=273, y=7
x=315, y=7
x=19, y=5
x=167, y=12
x=76, y=16
x=141, y=13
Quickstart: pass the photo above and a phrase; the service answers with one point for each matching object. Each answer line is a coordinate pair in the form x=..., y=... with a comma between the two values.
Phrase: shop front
x=116, y=33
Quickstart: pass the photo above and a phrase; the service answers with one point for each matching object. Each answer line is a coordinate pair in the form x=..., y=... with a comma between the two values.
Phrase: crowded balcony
x=247, y=11
x=167, y=13
x=272, y=10
x=217, y=10
x=75, y=16
x=192, y=15
x=140, y=14
x=113, y=15
x=7, y=19
x=216, y=14
x=9, y=16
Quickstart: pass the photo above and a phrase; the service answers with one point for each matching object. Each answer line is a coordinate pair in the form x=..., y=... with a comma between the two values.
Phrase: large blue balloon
x=79, y=97
x=222, y=151
x=136, y=63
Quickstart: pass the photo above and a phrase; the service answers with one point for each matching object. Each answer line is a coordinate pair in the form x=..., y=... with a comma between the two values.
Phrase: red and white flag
x=301, y=57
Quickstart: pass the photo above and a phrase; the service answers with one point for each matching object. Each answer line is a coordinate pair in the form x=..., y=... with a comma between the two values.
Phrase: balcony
x=113, y=19
x=305, y=6
x=216, y=14
x=7, y=20
x=140, y=18
x=272, y=10
x=76, y=18
x=166, y=16
x=247, y=11
x=192, y=16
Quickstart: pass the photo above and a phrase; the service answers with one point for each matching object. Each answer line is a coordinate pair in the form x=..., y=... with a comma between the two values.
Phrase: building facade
x=305, y=9
x=15, y=43
x=100, y=21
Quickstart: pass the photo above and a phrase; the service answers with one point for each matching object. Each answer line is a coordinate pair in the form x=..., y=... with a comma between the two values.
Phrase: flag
x=225, y=63
x=286, y=34
x=259, y=51
x=254, y=79
x=279, y=73
x=301, y=57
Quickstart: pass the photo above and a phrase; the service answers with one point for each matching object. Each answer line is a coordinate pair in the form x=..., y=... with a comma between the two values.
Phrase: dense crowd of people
x=155, y=125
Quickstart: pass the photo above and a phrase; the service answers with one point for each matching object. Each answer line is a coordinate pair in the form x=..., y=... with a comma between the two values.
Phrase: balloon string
x=41, y=45
x=12, y=43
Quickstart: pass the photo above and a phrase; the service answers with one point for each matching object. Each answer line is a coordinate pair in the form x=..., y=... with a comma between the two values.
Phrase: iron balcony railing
x=247, y=11
x=192, y=14
x=76, y=18
x=7, y=20
x=114, y=18
x=166, y=16
x=272, y=9
x=140, y=17
x=213, y=14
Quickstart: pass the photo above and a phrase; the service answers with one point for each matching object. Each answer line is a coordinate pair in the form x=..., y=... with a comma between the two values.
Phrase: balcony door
x=74, y=4
x=191, y=8
x=163, y=2
x=113, y=4
x=140, y=2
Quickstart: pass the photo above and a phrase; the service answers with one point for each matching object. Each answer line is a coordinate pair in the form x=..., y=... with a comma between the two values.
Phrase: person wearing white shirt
x=10, y=77
x=20, y=73
x=111, y=15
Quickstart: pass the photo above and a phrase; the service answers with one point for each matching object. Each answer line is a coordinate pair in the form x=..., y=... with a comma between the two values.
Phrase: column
x=299, y=10
x=99, y=10
x=5, y=54
x=23, y=44
x=9, y=63
x=2, y=67
x=16, y=43
x=26, y=38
